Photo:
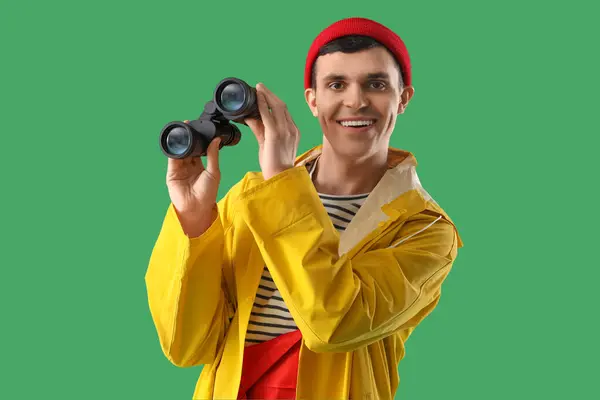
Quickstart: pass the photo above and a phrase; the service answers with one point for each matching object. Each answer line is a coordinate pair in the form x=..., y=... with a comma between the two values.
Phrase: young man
x=306, y=279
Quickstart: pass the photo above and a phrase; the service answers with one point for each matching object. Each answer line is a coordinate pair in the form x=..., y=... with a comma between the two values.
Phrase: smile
x=358, y=123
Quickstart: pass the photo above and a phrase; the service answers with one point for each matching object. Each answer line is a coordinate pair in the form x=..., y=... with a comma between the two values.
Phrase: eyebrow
x=341, y=77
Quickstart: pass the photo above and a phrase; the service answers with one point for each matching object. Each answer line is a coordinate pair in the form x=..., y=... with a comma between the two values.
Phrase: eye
x=378, y=85
x=335, y=85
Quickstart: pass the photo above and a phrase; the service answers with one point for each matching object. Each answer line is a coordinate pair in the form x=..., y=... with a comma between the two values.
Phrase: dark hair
x=351, y=44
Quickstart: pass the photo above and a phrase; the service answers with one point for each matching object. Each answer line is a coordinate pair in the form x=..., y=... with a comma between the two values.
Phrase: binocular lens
x=178, y=140
x=233, y=97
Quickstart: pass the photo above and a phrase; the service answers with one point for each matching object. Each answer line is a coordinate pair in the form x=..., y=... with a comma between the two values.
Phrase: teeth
x=356, y=123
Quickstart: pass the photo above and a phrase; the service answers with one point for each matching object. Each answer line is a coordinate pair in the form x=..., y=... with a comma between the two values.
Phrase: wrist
x=270, y=173
x=195, y=223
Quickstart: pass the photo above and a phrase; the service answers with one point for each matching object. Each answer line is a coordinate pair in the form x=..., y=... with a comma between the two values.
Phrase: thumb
x=212, y=155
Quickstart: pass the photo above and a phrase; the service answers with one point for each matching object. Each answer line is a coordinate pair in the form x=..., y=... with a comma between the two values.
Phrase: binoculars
x=233, y=101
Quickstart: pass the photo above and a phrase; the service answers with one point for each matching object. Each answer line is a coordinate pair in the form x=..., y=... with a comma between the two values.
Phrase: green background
x=501, y=123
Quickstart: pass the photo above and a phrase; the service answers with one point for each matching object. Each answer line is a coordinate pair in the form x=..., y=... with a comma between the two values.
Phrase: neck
x=336, y=175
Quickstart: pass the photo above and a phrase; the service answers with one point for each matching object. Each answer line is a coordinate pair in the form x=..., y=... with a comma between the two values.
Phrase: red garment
x=360, y=26
x=270, y=369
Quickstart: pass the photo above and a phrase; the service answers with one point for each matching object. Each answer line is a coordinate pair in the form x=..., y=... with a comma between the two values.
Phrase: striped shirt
x=270, y=316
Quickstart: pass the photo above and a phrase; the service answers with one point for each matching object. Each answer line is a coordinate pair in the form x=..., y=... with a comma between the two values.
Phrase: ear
x=311, y=99
x=405, y=97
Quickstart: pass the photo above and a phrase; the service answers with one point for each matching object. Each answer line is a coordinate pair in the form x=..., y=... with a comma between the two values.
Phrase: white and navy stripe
x=270, y=316
x=342, y=209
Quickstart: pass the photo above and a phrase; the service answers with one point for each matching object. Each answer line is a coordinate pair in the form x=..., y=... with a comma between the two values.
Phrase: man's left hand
x=277, y=134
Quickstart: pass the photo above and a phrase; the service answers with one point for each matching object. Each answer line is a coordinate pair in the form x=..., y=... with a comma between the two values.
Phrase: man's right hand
x=193, y=189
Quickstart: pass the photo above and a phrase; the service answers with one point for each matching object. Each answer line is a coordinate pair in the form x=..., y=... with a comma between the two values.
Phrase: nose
x=354, y=97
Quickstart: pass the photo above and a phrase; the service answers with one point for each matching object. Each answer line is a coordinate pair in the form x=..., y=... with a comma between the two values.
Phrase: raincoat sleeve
x=342, y=303
x=184, y=281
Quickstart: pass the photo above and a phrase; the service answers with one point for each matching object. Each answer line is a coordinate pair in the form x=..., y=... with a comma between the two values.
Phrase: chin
x=352, y=147
x=351, y=143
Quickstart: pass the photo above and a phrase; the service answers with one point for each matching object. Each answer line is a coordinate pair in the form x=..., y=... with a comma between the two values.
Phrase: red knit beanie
x=365, y=27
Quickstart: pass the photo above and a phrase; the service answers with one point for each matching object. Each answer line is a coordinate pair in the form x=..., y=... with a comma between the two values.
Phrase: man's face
x=356, y=89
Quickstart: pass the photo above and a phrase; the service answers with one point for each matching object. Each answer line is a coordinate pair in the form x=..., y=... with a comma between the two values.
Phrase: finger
x=212, y=156
x=270, y=95
x=263, y=107
x=257, y=127
x=293, y=129
x=277, y=106
x=290, y=121
x=172, y=164
x=176, y=163
x=179, y=169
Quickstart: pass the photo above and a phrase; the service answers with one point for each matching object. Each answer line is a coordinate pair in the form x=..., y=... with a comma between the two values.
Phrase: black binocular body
x=233, y=101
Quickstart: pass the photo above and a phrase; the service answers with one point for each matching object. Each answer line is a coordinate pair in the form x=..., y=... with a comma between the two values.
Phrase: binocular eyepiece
x=233, y=101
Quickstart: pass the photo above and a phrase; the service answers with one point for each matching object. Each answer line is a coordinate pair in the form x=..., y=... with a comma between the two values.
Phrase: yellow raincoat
x=356, y=297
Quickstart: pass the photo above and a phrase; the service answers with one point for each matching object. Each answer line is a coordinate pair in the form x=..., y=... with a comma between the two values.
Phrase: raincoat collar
x=396, y=157
x=398, y=192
